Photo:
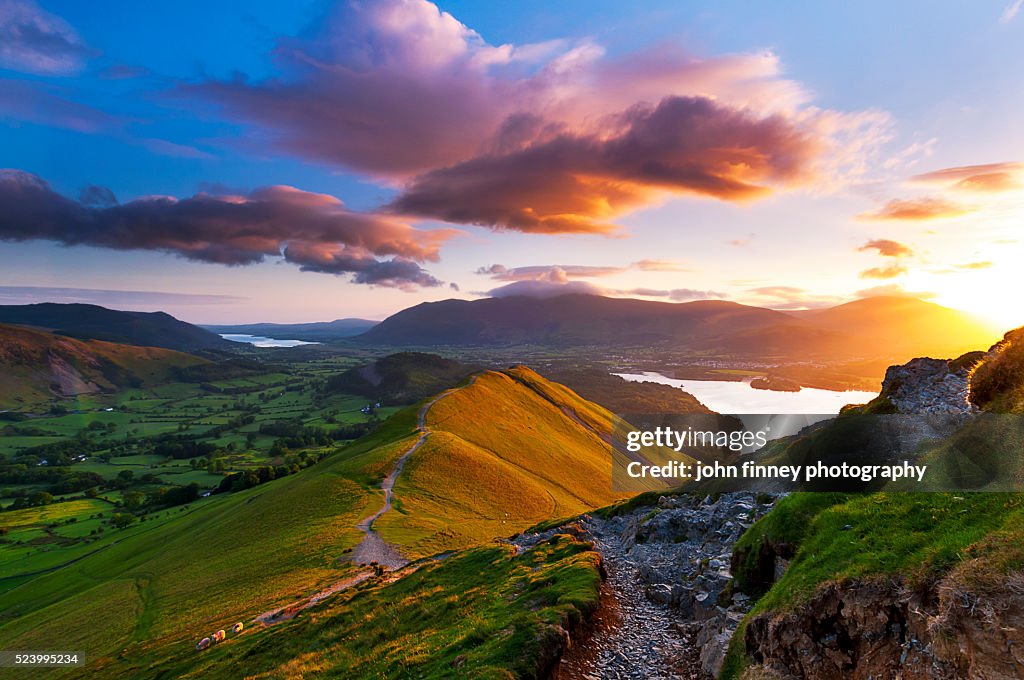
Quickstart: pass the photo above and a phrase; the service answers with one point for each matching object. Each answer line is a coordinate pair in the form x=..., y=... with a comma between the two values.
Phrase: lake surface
x=736, y=397
x=260, y=341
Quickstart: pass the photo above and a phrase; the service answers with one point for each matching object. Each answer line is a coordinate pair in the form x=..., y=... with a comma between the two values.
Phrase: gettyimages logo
x=781, y=453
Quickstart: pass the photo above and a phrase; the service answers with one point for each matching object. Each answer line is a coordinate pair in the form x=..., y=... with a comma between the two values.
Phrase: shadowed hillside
x=149, y=329
x=36, y=366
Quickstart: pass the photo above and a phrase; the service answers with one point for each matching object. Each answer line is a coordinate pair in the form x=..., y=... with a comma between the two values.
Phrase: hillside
x=401, y=378
x=888, y=327
x=502, y=452
x=36, y=367
x=91, y=322
x=942, y=567
x=320, y=331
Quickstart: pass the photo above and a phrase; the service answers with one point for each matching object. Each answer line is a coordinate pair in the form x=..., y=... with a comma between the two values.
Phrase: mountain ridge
x=93, y=322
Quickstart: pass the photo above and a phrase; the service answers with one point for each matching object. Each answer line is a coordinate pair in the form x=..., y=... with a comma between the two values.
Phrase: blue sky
x=841, y=108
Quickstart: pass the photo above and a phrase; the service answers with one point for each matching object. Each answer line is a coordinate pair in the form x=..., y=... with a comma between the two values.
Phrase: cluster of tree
x=261, y=475
x=58, y=480
x=178, y=447
x=30, y=500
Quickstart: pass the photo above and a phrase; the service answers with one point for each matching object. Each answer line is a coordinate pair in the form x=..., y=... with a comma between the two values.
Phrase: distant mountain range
x=320, y=331
x=889, y=325
x=149, y=329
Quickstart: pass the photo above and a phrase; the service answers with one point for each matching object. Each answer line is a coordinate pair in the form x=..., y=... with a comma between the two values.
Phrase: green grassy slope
x=144, y=600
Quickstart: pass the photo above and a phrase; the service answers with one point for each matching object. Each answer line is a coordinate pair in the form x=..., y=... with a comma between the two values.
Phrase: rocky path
x=373, y=548
x=631, y=636
x=665, y=612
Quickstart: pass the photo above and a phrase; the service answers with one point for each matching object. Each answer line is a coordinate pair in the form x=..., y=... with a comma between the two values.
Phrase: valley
x=301, y=490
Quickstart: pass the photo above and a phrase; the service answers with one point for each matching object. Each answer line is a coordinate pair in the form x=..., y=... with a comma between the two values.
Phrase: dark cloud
x=889, y=271
x=315, y=231
x=987, y=178
x=34, y=41
x=887, y=248
x=917, y=209
x=575, y=183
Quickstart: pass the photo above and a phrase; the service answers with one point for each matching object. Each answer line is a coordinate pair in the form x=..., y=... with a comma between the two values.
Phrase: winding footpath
x=373, y=548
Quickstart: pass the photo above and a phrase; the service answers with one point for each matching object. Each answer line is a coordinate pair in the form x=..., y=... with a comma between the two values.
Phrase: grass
x=506, y=452
x=481, y=613
x=915, y=537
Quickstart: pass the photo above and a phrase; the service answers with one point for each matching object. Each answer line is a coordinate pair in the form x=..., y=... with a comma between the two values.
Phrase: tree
x=122, y=519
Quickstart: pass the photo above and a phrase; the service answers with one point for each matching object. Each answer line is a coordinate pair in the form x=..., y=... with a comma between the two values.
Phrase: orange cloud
x=573, y=183
x=893, y=290
x=917, y=209
x=887, y=248
x=987, y=178
x=889, y=271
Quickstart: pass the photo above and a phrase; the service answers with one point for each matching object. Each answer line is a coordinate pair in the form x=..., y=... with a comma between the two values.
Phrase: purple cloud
x=315, y=231
x=34, y=41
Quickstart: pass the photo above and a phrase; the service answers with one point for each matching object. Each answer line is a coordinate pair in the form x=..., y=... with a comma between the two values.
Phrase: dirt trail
x=630, y=637
x=373, y=548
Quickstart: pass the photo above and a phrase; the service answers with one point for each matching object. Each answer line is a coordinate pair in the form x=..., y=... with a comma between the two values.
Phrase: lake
x=737, y=397
x=260, y=341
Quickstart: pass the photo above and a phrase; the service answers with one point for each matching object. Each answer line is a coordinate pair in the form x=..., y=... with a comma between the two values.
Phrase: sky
x=306, y=161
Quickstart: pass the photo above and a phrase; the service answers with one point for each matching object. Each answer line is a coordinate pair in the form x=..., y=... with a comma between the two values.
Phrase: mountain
x=321, y=331
x=36, y=366
x=567, y=321
x=91, y=322
x=884, y=326
x=904, y=326
x=502, y=452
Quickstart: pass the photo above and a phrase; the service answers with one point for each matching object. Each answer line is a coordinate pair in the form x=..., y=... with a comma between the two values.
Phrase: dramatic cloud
x=35, y=41
x=575, y=183
x=988, y=178
x=917, y=209
x=550, y=138
x=889, y=271
x=315, y=231
x=986, y=264
x=397, y=87
x=887, y=248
